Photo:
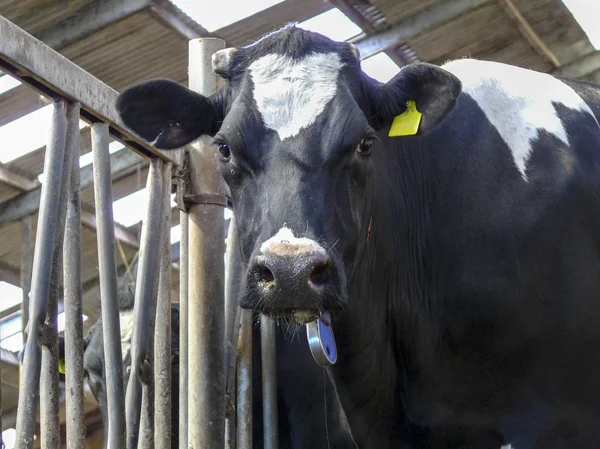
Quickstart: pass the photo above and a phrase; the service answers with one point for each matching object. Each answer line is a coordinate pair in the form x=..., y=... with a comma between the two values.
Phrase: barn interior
x=122, y=42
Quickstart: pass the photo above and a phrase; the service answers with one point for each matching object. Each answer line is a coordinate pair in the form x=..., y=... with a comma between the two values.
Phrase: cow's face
x=294, y=128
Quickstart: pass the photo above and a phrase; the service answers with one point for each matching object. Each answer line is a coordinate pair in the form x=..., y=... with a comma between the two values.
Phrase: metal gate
x=215, y=334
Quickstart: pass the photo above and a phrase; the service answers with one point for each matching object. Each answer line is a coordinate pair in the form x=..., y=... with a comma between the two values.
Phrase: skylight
x=175, y=234
x=130, y=209
x=587, y=14
x=27, y=133
x=214, y=15
x=380, y=66
x=334, y=24
x=7, y=83
x=11, y=295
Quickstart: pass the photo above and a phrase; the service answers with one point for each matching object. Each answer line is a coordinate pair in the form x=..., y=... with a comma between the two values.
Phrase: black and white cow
x=313, y=420
x=448, y=219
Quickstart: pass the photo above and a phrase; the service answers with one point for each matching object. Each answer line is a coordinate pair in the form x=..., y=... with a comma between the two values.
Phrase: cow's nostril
x=264, y=274
x=321, y=274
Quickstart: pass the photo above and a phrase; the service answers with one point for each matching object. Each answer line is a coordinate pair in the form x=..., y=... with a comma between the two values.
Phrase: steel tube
x=144, y=304
x=206, y=274
x=111, y=327
x=25, y=271
x=49, y=389
x=183, y=332
x=269, y=382
x=244, y=382
x=162, y=334
x=73, y=295
x=42, y=267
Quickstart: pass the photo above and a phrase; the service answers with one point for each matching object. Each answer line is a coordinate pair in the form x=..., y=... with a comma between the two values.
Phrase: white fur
x=286, y=236
x=291, y=94
x=517, y=102
x=126, y=321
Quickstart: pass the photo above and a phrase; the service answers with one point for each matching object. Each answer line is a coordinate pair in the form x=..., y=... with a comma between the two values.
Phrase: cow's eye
x=224, y=150
x=364, y=147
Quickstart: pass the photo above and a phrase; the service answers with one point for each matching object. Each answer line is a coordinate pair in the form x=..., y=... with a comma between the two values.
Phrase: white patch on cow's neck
x=290, y=94
x=285, y=241
x=126, y=321
x=517, y=102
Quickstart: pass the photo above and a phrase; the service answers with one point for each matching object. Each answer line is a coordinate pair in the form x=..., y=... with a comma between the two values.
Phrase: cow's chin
x=296, y=316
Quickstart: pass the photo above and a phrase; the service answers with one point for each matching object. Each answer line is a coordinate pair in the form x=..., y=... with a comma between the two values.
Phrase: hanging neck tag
x=321, y=340
x=407, y=123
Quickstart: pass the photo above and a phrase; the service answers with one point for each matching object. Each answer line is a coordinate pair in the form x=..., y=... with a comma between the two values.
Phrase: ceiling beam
x=416, y=25
x=122, y=234
x=17, y=180
x=581, y=67
x=90, y=18
x=9, y=274
x=29, y=203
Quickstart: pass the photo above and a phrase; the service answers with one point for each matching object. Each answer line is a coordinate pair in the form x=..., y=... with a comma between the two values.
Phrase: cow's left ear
x=168, y=114
x=415, y=100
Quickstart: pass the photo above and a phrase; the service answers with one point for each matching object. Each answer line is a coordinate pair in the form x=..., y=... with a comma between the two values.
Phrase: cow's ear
x=415, y=100
x=166, y=113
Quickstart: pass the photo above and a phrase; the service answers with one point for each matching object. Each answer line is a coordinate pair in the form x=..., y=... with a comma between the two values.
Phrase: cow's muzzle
x=292, y=277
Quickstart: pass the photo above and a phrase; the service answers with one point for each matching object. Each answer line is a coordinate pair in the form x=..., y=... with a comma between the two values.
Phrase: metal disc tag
x=321, y=340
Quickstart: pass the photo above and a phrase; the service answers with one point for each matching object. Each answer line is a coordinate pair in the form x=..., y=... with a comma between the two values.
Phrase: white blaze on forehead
x=517, y=102
x=126, y=321
x=290, y=94
x=285, y=243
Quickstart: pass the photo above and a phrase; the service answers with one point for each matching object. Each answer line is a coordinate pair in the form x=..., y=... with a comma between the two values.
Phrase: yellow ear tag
x=61, y=366
x=407, y=123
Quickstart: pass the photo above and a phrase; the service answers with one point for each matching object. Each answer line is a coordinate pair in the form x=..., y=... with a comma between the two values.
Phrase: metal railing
x=215, y=335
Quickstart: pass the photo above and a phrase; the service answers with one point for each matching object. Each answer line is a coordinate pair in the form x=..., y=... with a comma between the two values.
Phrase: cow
x=313, y=421
x=448, y=220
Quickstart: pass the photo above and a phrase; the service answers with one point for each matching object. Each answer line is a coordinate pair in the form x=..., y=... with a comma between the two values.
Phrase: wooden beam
x=526, y=30
x=28, y=203
x=90, y=18
x=416, y=25
x=124, y=235
x=581, y=67
x=17, y=180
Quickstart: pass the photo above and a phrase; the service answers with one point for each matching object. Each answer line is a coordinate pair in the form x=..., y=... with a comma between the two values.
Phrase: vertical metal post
x=144, y=304
x=206, y=273
x=269, y=382
x=111, y=327
x=162, y=334
x=73, y=295
x=49, y=389
x=48, y=219
x=25, y=271
x=244, y=382
x=183, y=332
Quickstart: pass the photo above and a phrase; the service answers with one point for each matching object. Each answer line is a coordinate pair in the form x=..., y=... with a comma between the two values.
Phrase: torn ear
x=166, y=113
x=419, y=97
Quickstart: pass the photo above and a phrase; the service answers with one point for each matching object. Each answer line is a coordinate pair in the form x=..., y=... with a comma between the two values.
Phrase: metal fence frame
x=217, y=362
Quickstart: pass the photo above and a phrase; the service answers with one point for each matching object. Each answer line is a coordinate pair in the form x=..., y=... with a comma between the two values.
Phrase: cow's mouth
x=297, y=316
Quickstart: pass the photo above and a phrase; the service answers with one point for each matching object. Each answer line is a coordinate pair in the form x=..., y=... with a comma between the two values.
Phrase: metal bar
x=162, y=334
x=144, y=302
x=183, y=331
x=111, y=327
x=25, y=271
x=73, y=296
x=532, y=37
x=412, y=27
x=49, y=389
x=42, y=267
x=269, y=382
x=54, y=75
x=244, y=382
x=206, y=274
x=232, y=329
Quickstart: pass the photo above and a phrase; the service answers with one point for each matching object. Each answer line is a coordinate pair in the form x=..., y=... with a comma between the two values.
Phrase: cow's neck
x=388, y=336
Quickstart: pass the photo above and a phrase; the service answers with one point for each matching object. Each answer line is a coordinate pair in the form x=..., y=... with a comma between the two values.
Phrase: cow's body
x=461, y=265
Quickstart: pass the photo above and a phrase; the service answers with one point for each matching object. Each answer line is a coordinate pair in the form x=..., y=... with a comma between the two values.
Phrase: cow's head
x=294, y=125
